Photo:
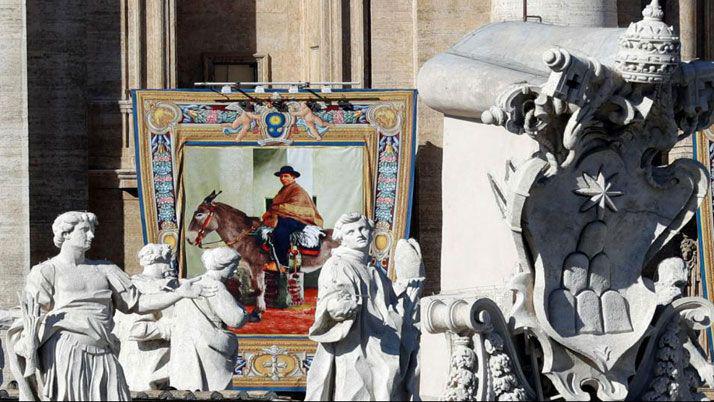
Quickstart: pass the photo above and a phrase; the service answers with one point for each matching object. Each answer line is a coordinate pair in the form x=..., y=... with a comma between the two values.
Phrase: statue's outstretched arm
x=189, y=289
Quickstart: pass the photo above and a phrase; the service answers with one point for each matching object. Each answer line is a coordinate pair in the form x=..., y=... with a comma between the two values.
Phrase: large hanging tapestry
x=269, y=174
x=704, y=152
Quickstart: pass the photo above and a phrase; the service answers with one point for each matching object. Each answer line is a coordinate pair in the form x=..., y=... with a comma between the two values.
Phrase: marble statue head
x=354, y=230
x=672, y=277
x=76, y=228
x=155, y=259
x=223, y=261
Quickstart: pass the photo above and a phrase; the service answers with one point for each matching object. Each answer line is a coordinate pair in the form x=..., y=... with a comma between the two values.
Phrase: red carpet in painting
x=293, y=320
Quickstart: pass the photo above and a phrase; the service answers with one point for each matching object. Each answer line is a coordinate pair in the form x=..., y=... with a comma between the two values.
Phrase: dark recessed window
x=235, y=67
x=234, y=72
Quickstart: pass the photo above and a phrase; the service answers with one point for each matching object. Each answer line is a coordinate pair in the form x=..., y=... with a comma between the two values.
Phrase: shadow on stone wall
x=427, y=213
x=57, y=107
x=107, y=204
x=631, y=10
x=212, y=26
x=108, y=145
x=76, y=141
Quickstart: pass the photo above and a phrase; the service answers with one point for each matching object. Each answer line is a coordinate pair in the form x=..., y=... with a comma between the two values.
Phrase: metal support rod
x=526, y=16
x=300, y=84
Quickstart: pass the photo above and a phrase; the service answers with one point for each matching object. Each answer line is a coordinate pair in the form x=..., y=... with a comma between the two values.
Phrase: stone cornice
x=124, y=179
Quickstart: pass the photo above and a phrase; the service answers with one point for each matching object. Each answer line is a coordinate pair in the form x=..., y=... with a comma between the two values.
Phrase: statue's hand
x=342, y=307
x=30, y=308
x=407, y=260
x=191, y=290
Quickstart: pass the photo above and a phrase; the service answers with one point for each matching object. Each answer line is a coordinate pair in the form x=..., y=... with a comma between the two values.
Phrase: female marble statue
x=62, y=348
x=145, y=337
x=364, y=324
x=202, y=348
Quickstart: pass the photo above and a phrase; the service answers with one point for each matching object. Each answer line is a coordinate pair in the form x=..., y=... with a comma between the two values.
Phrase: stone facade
x=81, y=60
x=15, y=198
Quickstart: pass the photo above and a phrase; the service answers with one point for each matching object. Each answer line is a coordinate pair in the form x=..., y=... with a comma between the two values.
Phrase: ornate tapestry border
x=159, y=114
x=703, y=142
x=384, y=121
x=704, y=153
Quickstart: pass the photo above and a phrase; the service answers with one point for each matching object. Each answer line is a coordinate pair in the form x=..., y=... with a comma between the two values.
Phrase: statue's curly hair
x=350, y=217
x=154, y=253
x=66, y=222
x=216, y=259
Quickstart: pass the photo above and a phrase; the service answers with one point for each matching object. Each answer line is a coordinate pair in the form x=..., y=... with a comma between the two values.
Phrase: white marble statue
x=62, y=347
x=145, y=337
x=672, y=277
x=365, y=325
x=202, y=348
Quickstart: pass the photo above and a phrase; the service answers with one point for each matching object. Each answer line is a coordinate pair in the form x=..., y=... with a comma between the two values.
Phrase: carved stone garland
x=481, y=367
x=589, y=212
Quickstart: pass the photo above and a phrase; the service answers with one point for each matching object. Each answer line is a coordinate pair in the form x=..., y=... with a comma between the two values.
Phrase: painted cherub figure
x=304, y=112
x=244, y=122
x=366, y=326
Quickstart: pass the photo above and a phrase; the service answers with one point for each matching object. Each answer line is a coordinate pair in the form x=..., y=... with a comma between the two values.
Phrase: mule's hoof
x=254, y=317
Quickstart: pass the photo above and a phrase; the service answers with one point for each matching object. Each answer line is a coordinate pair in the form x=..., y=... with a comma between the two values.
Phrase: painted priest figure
x=366, y=326
x=62, y=347
x=290, y=211
x=145, y=337
x=202, y=347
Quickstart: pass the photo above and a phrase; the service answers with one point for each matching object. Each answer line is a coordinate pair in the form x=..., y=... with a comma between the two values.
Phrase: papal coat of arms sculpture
x=599, y=303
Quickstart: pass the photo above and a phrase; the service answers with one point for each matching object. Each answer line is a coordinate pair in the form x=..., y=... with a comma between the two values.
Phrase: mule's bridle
x=202, y=231
x=240, y=237
x=204, y=226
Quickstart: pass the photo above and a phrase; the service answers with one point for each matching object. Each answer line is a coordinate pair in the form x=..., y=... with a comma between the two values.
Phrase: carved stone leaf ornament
x=591, y=210
x=484, y=364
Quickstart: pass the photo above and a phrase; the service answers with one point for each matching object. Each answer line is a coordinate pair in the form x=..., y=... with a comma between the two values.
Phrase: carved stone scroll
x=484, y=363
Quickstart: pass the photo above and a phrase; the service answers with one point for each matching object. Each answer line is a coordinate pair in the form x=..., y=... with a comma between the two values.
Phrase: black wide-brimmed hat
x=287, y=169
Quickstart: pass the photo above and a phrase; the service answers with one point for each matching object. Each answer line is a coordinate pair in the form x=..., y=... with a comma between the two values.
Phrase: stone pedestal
x=477, y=245
x=478, y=252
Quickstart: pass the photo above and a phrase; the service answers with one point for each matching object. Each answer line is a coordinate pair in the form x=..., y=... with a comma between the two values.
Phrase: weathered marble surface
x=61, y=347
x=580, y=13
x=145, y=338
x=202, y=349
x=367, y=328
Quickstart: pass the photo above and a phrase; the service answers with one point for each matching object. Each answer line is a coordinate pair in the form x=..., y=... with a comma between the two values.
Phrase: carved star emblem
x=599, y=193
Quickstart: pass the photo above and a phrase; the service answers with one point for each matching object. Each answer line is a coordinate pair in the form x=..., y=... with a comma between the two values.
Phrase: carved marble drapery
x=589, y=212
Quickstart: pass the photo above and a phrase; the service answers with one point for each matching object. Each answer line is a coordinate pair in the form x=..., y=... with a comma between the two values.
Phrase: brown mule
x=235, y=228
